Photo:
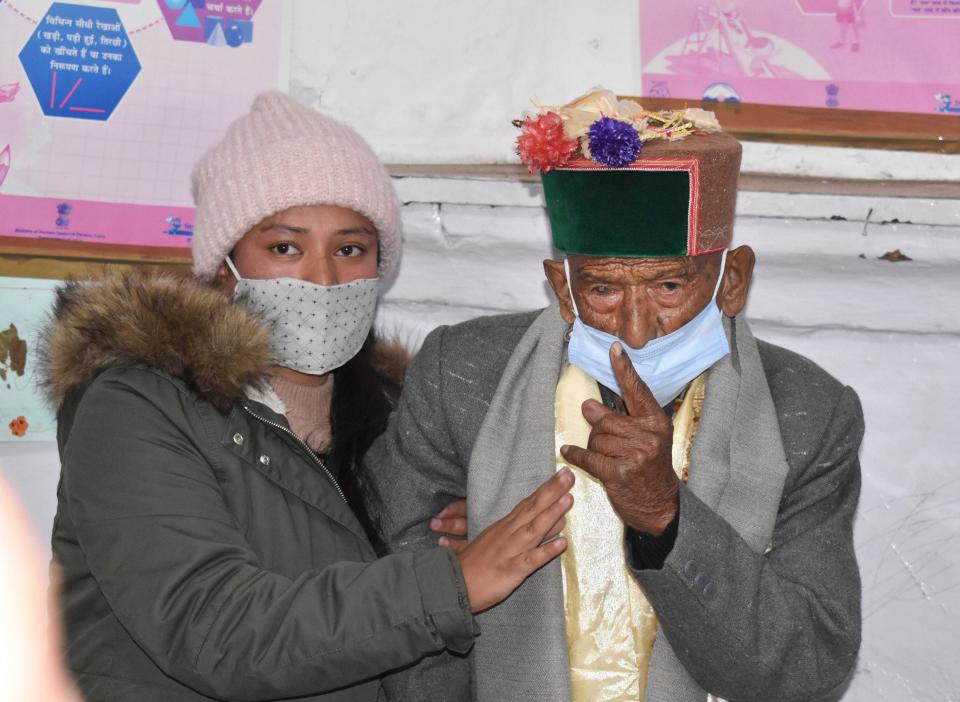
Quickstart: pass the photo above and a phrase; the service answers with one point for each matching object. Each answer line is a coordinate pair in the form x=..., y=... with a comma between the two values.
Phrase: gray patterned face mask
x=314, y=328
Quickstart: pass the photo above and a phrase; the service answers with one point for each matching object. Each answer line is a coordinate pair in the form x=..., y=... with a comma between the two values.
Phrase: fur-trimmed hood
x=176, y=324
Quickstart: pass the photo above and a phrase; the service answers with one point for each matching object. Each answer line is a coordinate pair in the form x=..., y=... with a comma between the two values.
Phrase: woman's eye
x=284, y=249
x=350, y=250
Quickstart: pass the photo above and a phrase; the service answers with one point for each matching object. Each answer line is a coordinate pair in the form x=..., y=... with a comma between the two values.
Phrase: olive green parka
x=204, y=551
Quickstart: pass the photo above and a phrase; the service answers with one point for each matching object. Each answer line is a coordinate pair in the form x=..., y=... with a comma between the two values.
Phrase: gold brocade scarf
x=611, y=626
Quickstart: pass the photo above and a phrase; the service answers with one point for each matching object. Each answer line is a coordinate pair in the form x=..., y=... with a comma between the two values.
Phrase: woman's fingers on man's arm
x=557, y=528
x=455, y=526
x=457, y=508
x=505, y=553
x=528, y=514
x=455, y=545
x=533, y=559
x=452, y=519
x=535, y=531
x=546, y=495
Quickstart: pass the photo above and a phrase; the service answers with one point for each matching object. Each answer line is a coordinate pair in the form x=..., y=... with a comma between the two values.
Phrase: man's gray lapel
x=521, y=653
x=737, y=463
x=738, y=468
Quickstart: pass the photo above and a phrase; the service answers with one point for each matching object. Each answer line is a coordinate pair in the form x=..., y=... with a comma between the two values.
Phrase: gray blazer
x=746, y=623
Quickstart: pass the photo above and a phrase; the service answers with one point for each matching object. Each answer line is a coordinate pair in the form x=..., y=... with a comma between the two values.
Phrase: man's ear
x=732, y=297
x=557, y=277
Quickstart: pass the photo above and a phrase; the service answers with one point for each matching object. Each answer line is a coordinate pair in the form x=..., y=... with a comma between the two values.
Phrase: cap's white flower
x=703, y=120
x=581, y=112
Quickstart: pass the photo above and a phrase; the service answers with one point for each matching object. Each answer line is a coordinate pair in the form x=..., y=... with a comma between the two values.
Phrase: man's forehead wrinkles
x=645, y=269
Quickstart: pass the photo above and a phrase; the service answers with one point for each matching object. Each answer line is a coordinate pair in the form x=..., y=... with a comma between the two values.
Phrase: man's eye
x=670, y=286
x=600, y=290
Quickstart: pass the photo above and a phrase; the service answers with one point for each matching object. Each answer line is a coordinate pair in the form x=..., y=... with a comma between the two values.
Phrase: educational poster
x=105, y=106
x=25, y=306
x=886, y=55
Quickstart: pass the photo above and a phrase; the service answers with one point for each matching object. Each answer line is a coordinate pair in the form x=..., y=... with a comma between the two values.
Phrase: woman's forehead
x=318, y=219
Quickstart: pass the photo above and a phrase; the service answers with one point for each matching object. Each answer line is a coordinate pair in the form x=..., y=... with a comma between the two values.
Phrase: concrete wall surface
x=433, y=81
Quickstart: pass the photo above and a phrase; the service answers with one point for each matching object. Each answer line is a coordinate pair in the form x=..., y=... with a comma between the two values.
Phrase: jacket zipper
x=302, y=443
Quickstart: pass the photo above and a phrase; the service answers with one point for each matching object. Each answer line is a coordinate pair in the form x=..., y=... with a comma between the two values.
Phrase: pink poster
x=887, y=55
x=105, y=105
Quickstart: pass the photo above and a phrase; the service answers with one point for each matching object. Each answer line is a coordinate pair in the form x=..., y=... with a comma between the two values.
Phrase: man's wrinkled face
x=639, y=299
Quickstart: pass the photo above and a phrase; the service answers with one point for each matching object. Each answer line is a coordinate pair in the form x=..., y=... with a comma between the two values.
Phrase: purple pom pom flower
x=613, y=143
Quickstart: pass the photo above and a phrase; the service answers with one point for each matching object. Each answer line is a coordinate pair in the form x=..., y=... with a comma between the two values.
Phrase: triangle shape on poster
x=217, y=37
x=188, y=18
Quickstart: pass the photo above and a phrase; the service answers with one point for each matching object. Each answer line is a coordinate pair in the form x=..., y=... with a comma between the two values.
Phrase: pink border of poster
x=886, y=55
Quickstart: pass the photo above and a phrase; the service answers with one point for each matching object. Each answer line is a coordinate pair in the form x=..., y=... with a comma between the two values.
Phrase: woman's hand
x=508, y=551
x=452, y=522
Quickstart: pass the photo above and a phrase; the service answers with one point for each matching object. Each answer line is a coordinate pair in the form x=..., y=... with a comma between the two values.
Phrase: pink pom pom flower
x=543, y=145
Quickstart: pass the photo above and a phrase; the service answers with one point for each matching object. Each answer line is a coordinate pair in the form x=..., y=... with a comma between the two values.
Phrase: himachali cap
x=624, y=182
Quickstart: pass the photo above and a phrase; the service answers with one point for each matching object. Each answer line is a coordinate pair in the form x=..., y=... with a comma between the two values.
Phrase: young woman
x=210, y=528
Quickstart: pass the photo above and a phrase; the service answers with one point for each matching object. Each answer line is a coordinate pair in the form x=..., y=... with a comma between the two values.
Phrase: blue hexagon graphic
x=79, y=61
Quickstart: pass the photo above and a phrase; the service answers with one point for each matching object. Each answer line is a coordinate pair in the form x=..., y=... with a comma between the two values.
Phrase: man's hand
x=631, y=454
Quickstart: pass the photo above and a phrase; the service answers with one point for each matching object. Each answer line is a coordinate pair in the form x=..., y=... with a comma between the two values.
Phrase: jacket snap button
x=238, y=439
x=690, y=569
x=709, y=591
x=265, y=459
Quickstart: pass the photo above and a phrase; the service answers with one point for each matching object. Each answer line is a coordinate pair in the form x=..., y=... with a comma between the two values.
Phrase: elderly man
x=710, y=545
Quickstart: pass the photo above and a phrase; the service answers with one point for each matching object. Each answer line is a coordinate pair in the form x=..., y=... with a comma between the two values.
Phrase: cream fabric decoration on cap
x=281, y=155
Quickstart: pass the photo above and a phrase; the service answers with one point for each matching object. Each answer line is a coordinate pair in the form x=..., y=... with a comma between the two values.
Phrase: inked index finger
x=639, y=400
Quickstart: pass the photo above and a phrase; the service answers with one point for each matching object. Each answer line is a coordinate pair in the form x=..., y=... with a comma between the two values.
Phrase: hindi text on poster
x=79, y=61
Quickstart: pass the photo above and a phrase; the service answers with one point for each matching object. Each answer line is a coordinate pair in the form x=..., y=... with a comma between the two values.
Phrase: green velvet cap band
x=678, y=199
x=622, y=213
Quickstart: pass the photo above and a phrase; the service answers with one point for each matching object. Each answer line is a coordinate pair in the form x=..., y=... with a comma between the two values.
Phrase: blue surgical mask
x=666, y=364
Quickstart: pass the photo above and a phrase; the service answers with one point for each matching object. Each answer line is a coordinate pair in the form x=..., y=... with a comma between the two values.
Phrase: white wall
x=435, y=81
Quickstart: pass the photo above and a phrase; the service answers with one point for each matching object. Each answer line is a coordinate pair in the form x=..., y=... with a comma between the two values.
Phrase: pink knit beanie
x=284, y=155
